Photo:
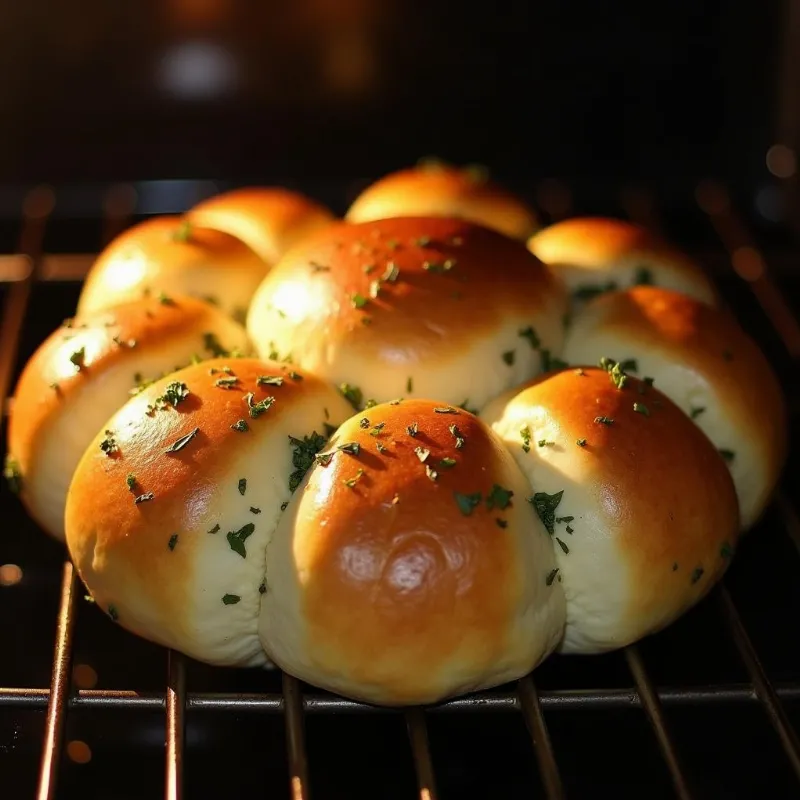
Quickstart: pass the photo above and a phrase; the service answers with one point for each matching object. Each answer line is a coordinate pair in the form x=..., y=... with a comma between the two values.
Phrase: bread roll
x=412, y=307
x=268, y=220
x=168, y=254
x=641, y=507
x=593, y=255
x=169, y=531
x=705, y=363
x=84, y=372
x=410, y=567
x=440, y=190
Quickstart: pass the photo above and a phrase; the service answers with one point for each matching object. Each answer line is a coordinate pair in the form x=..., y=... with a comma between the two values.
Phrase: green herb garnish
x=697, y=573
x=508, y=357
x=242, y=486
x=525, y=435
x=422, y=453
x=604, y=420
x=530, y=334
x=303, y=456
x=643, y=277
x=352, y=394
x=215, y=529
x=351, y=448
x=241, y=426
x=78, y=358
x=580, y=442
x=259, y=408
x=445, y=410
x=351, y=482
x=727, y=455
x=551, y=576
x=546, y=505
x=358, y=300
x=236, y=539
x=562, y=545
x=173, y=540
x=226, y=383
x=179, y=444
x=696, y=411
x=447, y=462
x=254, y=510
x=269, y=380
x=392, y=273
x=499, y=497
x=641, y=408
x=13, y=474
x=412, y=429
x=212, y=344
x=230, y=599
x=467, y=502
x=143, y=498
x=457, y=435
x=109, y=445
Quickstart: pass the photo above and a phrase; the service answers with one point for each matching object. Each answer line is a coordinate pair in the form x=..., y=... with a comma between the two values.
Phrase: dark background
x=321, y=92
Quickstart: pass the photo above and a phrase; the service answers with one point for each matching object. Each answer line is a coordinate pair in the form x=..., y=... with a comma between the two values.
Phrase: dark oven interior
x=671, y=121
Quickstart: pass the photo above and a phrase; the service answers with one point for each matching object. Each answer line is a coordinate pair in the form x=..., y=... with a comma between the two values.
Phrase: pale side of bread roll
x=706, y=364
x=410, y=566
x=412, y=307
x=441, y=190
x=596, y=254
x=85, y=371
x=169, y=531
x=640, y=506
x=269, y=220
x=170, y=255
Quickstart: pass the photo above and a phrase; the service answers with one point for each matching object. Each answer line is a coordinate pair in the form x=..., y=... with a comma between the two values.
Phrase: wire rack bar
x=176, y=724
x=59, y=687
x=531, y=706
x=292, y=705
x=421, y=751
x=489, y=702
x=652, y=708
x=763, y=688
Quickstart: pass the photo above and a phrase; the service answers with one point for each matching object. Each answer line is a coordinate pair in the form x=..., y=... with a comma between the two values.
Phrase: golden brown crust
x=666, y=494
x=442, y=190
x=107, y=530
x=605, y=245
x=137, y=260
x=270, y=220
x=468, y=579
x=456, y=282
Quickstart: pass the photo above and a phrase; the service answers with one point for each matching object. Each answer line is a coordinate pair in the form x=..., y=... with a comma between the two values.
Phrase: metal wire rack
x=553, y=766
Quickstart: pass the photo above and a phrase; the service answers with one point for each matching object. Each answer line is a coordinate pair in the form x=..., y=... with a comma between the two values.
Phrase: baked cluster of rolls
x=402, y=455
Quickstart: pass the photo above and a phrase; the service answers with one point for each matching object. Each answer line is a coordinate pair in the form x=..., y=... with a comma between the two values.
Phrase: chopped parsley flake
x=143, y=498
x=304, y=454
x=352, y=394
x=174, y=393
x=431, y=472
x=236, y=539
x=551, y=576
x=269, y=380
x=215, y=529
x=467, y=502
x=508, y=357
x=544, y=443
x=179, y=444
x=422, y=453
x=165, y=300
x=377, y=429
x=113, y=613
x=295, y=376
x=363, y=423
x=242, y=486
x=501, y=523
x=525, y=435
x=562, y=545
x=587, y=291
x=130, y=481
x=358, y=300
x=457, y=435
x=546, y=505
x=351, y=448
x=380, y=447
x=580, y=442
x=262, y=589
x=254, y=510
x=226, y=383
x=499, y=498
x=230, y=599
x=13, y=474
x=604, y=420
x=696, y=411
x=615, y=372
x=447, y=463
x=629, y=365
x=412, y=430
x=259, y=408
x=643, y=277
x=109, y=445
x=241, y=426
x=641, y=408
x=530, y=334
x=78, y=358
x=728, y=455
x=697, y=573
x=351, y=482
x=173, y=540
x=445, y=410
